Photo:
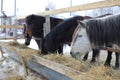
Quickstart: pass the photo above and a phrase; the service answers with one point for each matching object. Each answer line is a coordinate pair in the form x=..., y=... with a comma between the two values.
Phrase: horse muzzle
x=72, y=54
x=76, y=55
x=27, y=43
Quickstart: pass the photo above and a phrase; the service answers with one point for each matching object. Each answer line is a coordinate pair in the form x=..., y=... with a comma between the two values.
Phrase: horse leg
x=39, y=42
x=43, y=49
x=108, y=60
x=95, y=55
x=85, y=57
x=60, y=49
x=117, y=63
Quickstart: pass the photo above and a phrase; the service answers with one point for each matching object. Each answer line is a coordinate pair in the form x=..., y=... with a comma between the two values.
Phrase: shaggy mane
x=104, y=31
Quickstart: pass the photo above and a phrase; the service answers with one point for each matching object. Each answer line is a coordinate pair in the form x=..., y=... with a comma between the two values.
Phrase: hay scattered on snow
x=87, y=72
x=21, y=49
x=67, y=61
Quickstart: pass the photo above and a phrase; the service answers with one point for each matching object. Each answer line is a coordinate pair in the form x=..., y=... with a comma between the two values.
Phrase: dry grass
x=99, y=73
x=87, y=71
x=21, y=49
x=67, y=61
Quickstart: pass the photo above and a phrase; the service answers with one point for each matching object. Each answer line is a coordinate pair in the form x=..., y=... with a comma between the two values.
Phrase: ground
x=11, y=70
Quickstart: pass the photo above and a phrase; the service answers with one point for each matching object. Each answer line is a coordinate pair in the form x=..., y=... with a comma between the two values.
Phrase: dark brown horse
x=34, y=28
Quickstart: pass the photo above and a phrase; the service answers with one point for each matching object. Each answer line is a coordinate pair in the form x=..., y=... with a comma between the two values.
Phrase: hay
x=67, y=61
x=87, y=71
x=21, y=49
x=99, y=73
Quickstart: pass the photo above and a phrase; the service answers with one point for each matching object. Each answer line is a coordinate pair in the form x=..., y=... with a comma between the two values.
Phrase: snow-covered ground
x=33, y=45
x=11, y=70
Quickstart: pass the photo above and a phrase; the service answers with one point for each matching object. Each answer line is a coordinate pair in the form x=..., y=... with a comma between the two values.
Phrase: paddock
x=52, y=70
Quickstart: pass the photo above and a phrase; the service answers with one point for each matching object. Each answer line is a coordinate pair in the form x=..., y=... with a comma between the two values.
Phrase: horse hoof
x=107, y=65
x=92, y=61
x=116, y=68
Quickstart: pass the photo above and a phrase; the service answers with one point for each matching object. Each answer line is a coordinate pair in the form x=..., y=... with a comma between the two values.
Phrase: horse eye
x=25, y=36
x=79, y=35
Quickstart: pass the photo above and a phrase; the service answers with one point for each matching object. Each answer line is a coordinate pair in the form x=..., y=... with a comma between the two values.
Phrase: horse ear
x=78, y=21
x=32, y=16
x=81, y=23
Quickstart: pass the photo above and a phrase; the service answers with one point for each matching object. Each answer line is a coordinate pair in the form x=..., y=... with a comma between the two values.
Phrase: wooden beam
x=49, y=69
x=95, y=5
x=46, y=25
x=24, y=65
x=10, y=26
x=101, y=4
x=11, y=38
x=55, y=66
x=108, y=49
x=44, y=70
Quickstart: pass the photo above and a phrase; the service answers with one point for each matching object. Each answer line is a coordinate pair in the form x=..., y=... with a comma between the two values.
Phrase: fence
x=101, y=4
x=10, y=32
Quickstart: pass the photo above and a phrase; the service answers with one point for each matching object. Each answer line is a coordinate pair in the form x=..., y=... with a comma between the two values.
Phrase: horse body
x=34, y=27
x=97, y=32
x=61, y=34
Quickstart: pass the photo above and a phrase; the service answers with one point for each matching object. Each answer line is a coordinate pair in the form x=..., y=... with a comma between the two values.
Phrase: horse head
x=28, y=29
x=80, y=44
x=27, y=35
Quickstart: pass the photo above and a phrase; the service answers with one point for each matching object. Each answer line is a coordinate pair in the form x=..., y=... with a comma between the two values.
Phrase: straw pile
x=87, y=71
x=21, y=49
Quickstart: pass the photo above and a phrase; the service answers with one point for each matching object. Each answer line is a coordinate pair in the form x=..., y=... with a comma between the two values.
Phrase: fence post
x=15, y=31
x=46, y=24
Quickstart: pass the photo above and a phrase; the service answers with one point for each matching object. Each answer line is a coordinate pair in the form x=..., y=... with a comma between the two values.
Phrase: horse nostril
x=71, y=53
x=27, y=43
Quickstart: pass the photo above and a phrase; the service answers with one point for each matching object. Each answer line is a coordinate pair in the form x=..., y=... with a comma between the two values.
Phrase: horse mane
x=38, y=21
x=86, y=18
x=61, y=33
x=104, y=31
x=66, y=27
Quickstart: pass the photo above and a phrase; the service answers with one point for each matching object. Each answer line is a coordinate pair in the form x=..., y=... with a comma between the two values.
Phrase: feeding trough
x=49, y=69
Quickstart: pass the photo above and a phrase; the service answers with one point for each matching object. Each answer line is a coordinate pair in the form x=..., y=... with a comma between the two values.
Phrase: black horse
x=61, y=34
x=34, y=27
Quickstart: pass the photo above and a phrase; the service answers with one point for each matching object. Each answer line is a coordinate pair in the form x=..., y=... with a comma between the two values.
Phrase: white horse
x=94, y=33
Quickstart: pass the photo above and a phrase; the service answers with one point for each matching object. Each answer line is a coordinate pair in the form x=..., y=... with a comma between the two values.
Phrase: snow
x=11, y=70
x=33, y=45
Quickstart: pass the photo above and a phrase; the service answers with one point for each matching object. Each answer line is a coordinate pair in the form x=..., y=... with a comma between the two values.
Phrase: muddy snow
x=11, y=70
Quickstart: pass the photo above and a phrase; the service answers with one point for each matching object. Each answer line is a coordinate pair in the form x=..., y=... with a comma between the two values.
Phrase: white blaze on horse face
x=81, y=45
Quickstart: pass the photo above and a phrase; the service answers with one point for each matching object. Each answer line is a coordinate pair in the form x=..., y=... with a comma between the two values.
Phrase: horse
x=61, y=34
x=34, y=28
x=99, y=32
